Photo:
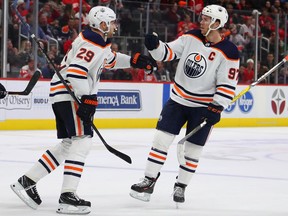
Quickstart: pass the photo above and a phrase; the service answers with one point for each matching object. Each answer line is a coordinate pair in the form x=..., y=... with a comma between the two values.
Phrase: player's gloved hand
x=87, y=108
x=143, y=62
x=213, y=114
x=151, y=41
x=2, y=91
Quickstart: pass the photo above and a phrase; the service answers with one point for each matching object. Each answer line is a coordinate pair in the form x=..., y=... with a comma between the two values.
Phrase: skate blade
x=21, y=193
x=140, y=196
x=73, y=210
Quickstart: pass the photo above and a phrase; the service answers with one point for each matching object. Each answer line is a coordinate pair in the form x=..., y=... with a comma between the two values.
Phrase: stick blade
x=29, y=87
x=32, y=82
x=119, y=154
x=111, y=149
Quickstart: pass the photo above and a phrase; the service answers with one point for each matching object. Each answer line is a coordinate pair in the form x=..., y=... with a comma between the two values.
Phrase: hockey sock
x=155, y=161
x=49, y=161
x=158, y=153
x=186, y=171
x=74, y=163
x=72, y=175
x=192, y=154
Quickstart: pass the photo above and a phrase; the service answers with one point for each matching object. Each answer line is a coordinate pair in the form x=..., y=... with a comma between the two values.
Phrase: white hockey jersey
x=82, y=66
x=205, y=72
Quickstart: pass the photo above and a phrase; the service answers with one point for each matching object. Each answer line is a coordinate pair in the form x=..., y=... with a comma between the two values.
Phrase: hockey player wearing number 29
x=81, y=69
x=205, y=83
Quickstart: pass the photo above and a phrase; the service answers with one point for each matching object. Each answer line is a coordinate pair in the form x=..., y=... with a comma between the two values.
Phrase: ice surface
x=242, y=172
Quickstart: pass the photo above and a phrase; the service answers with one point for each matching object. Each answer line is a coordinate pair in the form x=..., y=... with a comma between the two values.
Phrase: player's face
x=204, y=23
x=113, y=28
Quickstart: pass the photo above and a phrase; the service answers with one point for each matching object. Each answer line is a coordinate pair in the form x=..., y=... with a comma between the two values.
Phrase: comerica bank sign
x=119, y=100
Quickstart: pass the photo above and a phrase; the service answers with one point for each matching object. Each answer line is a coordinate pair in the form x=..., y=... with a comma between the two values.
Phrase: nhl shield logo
x=195, y=65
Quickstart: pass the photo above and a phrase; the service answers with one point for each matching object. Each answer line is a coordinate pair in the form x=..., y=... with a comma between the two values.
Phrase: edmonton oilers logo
x=195, y=65
x=246, y=102
x=278, y=101
x=230, y=108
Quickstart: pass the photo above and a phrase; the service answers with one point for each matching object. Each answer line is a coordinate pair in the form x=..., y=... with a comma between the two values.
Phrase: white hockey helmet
x=100, y=14
x=216, y=12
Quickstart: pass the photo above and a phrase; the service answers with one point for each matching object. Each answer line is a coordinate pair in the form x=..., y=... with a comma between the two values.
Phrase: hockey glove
x=213, y=114
x=143, y=62
x=87, y=108
x=2, y=91
x=151, y=41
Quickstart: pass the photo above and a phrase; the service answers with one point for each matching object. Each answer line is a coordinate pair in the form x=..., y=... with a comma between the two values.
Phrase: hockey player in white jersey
x=205, y=82
x=81, y=69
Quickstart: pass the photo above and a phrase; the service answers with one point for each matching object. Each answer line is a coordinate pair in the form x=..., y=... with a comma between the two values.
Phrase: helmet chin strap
x=209, y=29
x=105, y=33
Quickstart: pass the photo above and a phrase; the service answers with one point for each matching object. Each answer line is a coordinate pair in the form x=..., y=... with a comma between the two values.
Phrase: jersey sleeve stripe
x=169, y=55
x=224, y=95
x=110, y=65
x=225, y=91
x=113, y=59
x=165, y=53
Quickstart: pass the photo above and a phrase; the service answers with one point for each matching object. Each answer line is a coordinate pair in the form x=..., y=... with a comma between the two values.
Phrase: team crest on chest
x=195, y=65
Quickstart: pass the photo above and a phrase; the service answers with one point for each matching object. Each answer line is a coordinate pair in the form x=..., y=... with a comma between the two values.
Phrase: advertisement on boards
x=141, y=101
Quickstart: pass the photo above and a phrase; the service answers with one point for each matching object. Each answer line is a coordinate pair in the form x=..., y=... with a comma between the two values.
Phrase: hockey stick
x=180, y=146
x=29, y=87
x=244, y=91
x=195, y=130
x=108, y=147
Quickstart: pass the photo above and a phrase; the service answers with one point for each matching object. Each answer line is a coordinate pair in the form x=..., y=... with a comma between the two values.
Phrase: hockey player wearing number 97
x=81, y=69
x=205, y=82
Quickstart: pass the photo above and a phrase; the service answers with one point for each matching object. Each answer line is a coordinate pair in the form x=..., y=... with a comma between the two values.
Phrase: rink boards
x=138, y=105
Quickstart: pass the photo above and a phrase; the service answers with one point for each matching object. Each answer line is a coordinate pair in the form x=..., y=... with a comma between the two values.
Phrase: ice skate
x=144, y=189
x=70, y=203
x=178, y=193
x=25, y=189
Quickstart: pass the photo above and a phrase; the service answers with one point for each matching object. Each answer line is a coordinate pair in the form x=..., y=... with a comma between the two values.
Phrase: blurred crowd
x=60, y=22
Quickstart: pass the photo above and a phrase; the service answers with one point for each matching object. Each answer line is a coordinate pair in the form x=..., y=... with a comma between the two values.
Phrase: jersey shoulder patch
x=229, y=49
x=93, y=37
x=196, y=33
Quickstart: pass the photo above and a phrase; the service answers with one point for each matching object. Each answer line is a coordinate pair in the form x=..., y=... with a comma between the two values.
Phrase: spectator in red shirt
x=248, y=73
x=75, y=4
x=185, y=25
x=265, y=17
x=50, y=11
x=199, y=4
x=28, y=70
x=67, y=44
